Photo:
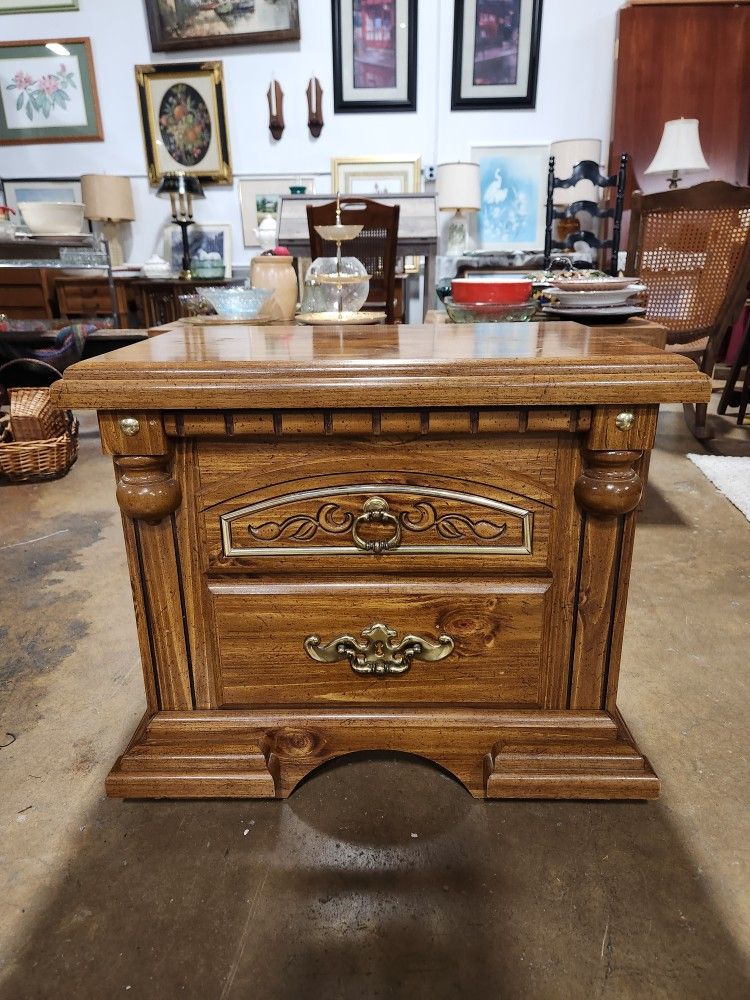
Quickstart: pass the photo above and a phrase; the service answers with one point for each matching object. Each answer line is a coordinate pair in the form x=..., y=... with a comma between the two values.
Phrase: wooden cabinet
x=409, y=538
x=683, y=60
x=26, y=293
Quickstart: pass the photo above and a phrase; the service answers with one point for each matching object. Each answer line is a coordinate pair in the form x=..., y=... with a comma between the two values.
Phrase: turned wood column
x=148, y=495
x=607, y=491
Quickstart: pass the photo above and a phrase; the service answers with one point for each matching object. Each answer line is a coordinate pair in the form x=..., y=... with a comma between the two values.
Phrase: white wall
x=571, y=102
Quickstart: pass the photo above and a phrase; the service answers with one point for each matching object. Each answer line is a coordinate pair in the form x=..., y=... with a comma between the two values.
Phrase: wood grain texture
x=496, y=628
x=390, y=367
x=267, y=752
x=246, y=533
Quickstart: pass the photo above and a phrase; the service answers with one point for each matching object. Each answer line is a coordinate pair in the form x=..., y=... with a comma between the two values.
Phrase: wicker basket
x=33, y=417
x=35, y=461
x=24, y=461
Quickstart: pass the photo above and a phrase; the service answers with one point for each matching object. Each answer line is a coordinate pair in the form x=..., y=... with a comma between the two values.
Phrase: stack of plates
x=594, y=299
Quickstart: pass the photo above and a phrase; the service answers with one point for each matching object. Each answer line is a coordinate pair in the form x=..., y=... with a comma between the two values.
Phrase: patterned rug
x=730, y=476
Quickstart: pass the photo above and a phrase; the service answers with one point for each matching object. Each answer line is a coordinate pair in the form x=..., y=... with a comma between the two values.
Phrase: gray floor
x=380, y=877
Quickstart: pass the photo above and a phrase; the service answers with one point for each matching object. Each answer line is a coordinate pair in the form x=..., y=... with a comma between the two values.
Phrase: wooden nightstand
x=411, y=538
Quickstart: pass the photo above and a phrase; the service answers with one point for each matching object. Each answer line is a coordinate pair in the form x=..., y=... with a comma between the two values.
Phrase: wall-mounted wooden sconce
x=314, y=107
x=275, y=97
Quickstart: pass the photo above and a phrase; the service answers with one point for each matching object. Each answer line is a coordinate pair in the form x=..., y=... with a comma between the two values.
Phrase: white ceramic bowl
x=54, y=218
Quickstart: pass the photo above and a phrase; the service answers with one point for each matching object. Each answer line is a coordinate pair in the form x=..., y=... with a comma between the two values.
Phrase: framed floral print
x=374, y=55
x=48, y=94
x=220, y=22
x=495, y=53
x=35, y=6
x=184, y=121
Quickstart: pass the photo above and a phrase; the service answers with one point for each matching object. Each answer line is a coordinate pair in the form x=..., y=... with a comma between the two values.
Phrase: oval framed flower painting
x=184, y=121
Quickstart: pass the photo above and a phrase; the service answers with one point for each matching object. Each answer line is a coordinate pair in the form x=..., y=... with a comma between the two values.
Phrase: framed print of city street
x=374, y=55
x=495, y=53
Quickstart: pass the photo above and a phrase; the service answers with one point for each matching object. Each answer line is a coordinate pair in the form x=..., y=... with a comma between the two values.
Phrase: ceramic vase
x=277, y=275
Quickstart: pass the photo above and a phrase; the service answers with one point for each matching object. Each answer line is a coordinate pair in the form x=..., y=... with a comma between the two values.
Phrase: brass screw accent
x=130, y=426
x=624, y=421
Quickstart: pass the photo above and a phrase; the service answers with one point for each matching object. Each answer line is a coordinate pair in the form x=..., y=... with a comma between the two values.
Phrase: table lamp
x=458, y=191
x=181, y=188
x=109, y=200
x=679, y=151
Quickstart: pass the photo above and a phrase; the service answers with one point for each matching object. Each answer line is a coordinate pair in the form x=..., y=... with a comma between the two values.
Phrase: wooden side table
x=396, y=538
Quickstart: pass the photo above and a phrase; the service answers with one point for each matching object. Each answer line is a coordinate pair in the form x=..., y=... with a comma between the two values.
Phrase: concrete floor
x=380, y=877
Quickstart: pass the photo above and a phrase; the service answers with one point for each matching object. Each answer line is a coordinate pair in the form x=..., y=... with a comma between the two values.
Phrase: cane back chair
x=691, y=248
x=375, y=246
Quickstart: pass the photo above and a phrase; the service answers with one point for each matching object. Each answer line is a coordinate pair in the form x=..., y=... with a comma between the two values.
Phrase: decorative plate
x=608, y=314
x=341, y=319
x=591, y=284
x=580, y=299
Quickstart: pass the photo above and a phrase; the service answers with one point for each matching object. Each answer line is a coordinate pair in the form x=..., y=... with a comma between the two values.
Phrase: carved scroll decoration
x=463, y=534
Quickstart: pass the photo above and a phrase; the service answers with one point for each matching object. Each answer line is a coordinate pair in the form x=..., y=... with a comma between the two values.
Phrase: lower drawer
x=482, y=643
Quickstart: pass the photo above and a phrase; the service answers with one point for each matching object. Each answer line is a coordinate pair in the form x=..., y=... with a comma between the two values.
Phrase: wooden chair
x=691, y=248
x=375, y=246
x=586, y=170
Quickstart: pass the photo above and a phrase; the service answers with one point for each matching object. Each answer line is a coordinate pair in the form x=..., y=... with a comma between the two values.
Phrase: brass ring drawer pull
x=379, y=655
x=375, y=510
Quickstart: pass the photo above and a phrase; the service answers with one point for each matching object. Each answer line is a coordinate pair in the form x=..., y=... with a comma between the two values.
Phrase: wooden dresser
x=414, y=538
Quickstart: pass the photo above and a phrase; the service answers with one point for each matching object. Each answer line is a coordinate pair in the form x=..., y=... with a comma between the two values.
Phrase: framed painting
x=43, y=189
x=180, y=25
x=374, y=55
x=495, y=53
x=208, y=237
x=376, y=175
x=48, y=92
x=261, y=196
x=513, y=186
x=184, y=120
x=35, y=6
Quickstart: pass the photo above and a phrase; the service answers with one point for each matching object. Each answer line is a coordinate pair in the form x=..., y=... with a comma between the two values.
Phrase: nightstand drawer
x=284, y=508
x=447, y=642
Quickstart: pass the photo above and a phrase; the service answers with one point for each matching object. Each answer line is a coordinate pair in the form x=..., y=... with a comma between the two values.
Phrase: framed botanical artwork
x=43, y=189
x=376, y=175
x=48, y=94
x=261, y=196
x=35, y=6
x=495, y=53
x=374, y=55
x=210, y=238
x=199, y=25
x=184, y=120
x=513, y=186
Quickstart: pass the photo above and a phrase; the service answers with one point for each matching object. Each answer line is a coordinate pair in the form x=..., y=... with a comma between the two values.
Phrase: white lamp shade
x=679, y=149
x=567, y=153
x=107, y=198
x=458, y=187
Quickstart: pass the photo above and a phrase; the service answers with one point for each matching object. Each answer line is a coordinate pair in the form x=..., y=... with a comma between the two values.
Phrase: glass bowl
x=490, y=312
x=236, y=302
x=329, y=288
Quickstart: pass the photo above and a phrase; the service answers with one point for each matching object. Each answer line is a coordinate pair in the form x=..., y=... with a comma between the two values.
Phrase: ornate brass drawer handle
x=375, y=510
x=379, y=655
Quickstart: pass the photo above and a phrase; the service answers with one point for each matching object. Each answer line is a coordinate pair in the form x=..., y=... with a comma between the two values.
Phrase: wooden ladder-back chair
x=691, y=248
x=585, y=170
x=375, y=246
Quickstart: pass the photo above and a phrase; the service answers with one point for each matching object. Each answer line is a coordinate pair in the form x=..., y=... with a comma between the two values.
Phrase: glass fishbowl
x=333, y=285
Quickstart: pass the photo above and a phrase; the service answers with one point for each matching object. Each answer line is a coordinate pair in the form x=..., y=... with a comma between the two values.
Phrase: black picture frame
x=460, y=102
x=163, y=41
x=340, y=103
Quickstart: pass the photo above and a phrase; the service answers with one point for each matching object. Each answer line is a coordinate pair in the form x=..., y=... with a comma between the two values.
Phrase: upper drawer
x=396, y=509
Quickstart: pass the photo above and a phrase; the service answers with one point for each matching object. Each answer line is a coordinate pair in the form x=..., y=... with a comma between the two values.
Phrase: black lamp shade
x=179, y=183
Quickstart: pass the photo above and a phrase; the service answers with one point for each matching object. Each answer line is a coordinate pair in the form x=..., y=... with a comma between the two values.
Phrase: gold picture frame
x=365, y=174
x=195, y=141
